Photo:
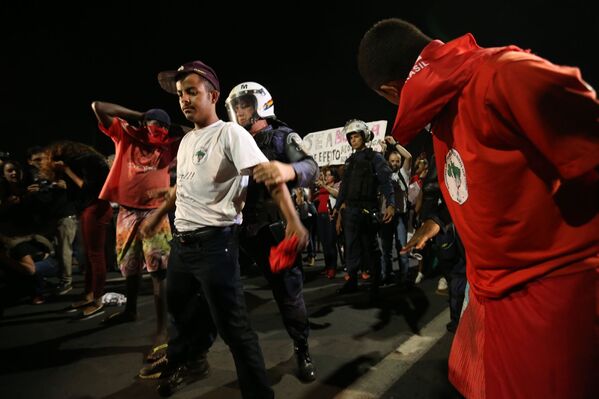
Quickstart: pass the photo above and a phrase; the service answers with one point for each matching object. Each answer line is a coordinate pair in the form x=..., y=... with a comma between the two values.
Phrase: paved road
x=46, y=354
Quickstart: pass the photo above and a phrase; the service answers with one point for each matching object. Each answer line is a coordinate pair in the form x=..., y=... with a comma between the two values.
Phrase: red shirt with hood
x=140, y=168
x=516, y=141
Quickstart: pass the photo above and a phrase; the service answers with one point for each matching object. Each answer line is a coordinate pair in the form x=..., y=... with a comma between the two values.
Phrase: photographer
x=21, y=251
x=55, y=201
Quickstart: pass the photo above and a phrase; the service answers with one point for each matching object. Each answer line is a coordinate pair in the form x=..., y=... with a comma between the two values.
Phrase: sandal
x=79, y=304
x=156, y=353
x=92, y=310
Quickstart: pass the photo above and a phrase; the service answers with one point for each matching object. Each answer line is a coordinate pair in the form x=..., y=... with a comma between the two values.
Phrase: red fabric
x=416, y=179
x=157, y=135
x=540, y=342
x=466, y=362
x=527, y=135
x=283, y=255
x=94, y=226
x=322, y=197
x=139, y=168
x=438, y=75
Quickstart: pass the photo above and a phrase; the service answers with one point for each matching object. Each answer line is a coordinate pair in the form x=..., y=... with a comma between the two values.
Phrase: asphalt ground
x=48, y=353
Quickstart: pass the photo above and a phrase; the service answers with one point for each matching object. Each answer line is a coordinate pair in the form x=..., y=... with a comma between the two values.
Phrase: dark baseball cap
x=167, y=79
x=157, y=114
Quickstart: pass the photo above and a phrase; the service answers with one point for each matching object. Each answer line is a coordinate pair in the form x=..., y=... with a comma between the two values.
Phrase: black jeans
x=287, y=286
x=394, y=231
x=205, y=295
x=361, y=244
x=311, y=248
x=328, y=239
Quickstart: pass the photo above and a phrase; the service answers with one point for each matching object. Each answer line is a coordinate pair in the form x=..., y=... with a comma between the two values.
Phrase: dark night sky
x=54, y=64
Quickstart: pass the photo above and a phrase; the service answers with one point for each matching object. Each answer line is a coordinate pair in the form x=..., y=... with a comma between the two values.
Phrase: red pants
x=94, y=224
x=538, y=342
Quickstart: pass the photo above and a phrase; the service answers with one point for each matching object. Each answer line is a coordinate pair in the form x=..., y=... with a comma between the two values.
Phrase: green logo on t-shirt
x=198, y=156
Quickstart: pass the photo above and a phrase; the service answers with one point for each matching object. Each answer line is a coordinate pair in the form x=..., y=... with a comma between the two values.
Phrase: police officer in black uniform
x=250, y=105
x=366, y=174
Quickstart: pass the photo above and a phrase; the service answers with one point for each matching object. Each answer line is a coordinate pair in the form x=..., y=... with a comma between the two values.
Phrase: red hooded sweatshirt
x=516, y=142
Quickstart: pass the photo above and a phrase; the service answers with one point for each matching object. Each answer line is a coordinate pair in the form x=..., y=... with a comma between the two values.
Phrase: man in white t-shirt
x=204, y=292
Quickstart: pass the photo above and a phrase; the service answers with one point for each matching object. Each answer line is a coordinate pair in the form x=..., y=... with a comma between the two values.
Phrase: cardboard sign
x=330, y=147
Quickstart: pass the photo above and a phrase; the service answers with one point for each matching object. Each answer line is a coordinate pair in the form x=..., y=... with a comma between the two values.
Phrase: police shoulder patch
x=294, y=139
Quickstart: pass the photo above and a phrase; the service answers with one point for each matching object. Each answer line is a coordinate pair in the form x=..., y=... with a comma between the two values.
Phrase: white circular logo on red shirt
x=455, y=177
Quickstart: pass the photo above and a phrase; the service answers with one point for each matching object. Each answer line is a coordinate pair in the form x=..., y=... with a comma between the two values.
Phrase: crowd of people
x=382, y=218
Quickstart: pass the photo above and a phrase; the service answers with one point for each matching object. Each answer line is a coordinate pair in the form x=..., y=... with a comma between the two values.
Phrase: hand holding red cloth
x=283, y=255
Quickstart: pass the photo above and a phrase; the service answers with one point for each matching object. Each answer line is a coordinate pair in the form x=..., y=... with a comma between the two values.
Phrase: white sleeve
x=241, y=148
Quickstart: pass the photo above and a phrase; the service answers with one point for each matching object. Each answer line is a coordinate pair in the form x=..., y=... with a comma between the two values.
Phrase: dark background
x=56, y=59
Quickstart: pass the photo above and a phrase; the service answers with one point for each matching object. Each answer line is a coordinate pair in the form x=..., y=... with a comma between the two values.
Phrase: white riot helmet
x=356, y=125
x=249, y=94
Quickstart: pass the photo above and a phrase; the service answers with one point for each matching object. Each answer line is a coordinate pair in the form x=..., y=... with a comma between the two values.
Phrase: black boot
x=349, y=287
x=305, y=367
x=373, y=294
x=183, y=375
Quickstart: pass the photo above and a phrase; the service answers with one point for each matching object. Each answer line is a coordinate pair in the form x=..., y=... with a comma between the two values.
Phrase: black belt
x=362, y=204
x=188, y=237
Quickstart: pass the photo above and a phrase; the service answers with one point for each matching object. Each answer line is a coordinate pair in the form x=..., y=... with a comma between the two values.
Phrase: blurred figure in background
x=85, y=170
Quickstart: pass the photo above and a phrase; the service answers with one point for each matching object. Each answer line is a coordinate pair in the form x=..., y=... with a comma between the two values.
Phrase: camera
x=44, y=184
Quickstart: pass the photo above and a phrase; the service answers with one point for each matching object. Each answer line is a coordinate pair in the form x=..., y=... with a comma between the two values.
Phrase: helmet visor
x=242, y=108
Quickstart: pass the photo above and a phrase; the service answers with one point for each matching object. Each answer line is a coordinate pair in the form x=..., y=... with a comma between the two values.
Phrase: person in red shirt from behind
x=516, y=141
x=138, y=175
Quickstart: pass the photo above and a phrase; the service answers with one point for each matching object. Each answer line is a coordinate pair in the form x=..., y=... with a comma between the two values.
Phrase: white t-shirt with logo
x=213, y=167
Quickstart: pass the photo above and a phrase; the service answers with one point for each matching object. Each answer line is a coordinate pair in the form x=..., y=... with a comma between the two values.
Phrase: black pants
x=205, y=295
x=454, y=271
x=287, y=286
x=452, y=264
x=361, y=243
x=394, y=232
x=311, y=248
x=328, y=239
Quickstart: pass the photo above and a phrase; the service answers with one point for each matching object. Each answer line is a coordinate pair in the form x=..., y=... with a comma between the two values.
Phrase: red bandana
x=154, y=136
x=283, y=255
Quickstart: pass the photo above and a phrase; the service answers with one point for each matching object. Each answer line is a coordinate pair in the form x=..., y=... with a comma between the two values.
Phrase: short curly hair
x=388, y=51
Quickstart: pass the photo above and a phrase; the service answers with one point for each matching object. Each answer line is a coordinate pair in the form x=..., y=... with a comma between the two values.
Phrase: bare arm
x=25, y=265
x=332, y=190
x=405, y=154
x=60, y=165
x=106, y=111
x=425, y=232
x=149, y=225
